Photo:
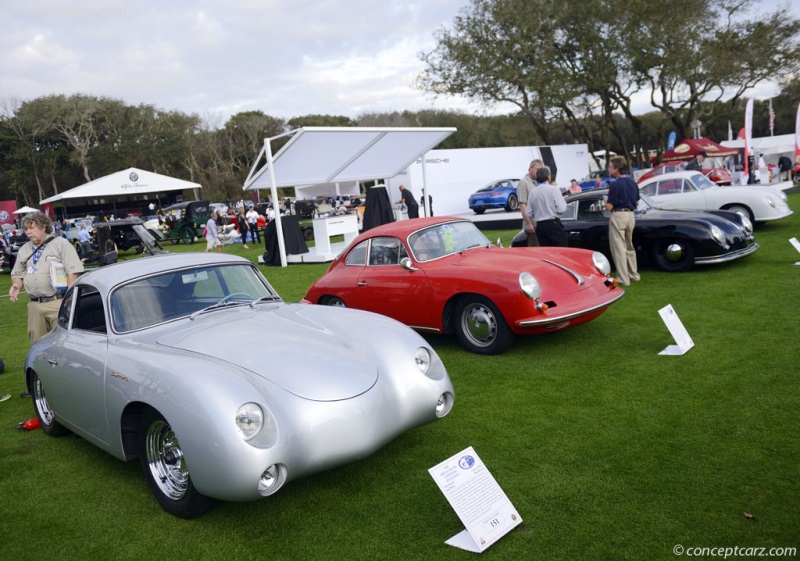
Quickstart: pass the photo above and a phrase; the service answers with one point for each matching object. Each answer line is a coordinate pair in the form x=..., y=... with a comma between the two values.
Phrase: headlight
x=249, y=420
x=529, y=286
x=771, y=202
x=783, y=196
x=601, y=262
x=423, y=359
x=717, y=234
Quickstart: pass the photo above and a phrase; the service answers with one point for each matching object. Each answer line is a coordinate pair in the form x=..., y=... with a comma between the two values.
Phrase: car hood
x=290, y=345
x=549, y=265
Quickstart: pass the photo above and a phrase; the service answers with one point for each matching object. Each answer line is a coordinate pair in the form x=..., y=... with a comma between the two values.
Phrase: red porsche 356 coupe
x=442, y=275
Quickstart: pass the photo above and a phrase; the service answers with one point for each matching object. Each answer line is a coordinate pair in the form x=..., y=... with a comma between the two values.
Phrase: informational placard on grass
x=477, y=499
x=678, y=331
x=796, y=245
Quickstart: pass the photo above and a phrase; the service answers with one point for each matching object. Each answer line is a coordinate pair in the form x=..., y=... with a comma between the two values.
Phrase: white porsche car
x=691, y=190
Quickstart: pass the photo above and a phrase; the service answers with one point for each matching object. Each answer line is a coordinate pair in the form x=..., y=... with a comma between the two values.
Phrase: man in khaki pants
x=33, y=269
x=623, y=198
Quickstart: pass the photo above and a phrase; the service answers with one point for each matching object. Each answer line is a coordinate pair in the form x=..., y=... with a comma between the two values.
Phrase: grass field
x=607, y=450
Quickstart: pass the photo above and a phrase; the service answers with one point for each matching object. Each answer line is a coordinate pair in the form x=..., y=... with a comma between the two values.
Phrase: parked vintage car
x=497, y=194
x=673, y=240
x=718, y=174
x=442, y=275
x=161, y=359
x=691, y=190
x=72, y=228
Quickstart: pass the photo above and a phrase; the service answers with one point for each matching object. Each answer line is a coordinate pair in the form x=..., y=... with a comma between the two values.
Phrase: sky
x=287, y=58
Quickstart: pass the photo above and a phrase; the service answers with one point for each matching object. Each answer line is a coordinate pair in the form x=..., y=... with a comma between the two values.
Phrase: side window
x=590, y=209
x=65, y=311
x=386, y=251
x=669, y=187
x=688, y=187
x=358, y=255
x=89, y=313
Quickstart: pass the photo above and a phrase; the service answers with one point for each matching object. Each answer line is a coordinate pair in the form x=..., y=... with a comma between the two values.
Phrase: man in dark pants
x=545, y=206
x=410, y=202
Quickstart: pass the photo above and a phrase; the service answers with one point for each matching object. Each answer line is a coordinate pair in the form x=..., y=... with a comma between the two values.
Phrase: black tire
x=187, y=235
x=45, y=414
x=674, y=256
x=477, y=210
x=480, y=327
x=78, y=248
x=741, y=209
x=796, y=177
x=166, y=471
x=332, y=301
x=308, y=234
x=512, y=204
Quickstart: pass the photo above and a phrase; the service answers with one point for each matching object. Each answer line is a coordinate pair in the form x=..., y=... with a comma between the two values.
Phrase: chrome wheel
x=335, y=302
x=165, y=460
x=480, y=326
x=40, y=402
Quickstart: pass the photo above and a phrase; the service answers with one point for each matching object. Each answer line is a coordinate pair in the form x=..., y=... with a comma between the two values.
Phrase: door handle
x=52, y=361
x=361, y=283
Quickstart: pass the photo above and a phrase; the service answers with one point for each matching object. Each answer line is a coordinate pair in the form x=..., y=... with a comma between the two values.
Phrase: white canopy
x=337, y=155
x=131, y=181
x=24, y=210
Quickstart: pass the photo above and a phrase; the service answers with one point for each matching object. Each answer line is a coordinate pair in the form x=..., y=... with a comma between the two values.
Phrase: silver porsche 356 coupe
x=193, y=364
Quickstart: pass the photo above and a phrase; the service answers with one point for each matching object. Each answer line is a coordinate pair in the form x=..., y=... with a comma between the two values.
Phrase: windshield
x=445, y=239
x=702, y=182
x=176, y=294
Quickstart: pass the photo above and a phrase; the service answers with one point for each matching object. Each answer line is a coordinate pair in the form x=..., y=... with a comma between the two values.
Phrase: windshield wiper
x=223, y=303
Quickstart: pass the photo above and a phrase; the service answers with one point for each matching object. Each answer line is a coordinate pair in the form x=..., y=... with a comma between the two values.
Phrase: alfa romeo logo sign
x=3, y=216
x=134, y=176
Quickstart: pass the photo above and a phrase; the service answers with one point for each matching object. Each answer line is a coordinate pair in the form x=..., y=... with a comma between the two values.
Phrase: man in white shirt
x=545, y=206
x=252, y=224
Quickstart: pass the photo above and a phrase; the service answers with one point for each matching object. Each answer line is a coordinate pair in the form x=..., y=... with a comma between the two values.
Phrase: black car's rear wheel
x=674, y=256
x=512, y=204
x=166, y=471
x=478, y=210
x=187, y=235
x=480, y=327
x=46, y=416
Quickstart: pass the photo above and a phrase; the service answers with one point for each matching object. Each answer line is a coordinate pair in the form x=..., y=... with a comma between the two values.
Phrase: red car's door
x=385, y=287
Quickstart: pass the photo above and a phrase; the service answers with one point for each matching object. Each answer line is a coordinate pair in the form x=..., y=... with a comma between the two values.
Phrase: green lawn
x=608, y=450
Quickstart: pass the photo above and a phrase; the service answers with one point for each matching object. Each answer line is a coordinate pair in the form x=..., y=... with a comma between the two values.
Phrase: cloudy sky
x=284, y=57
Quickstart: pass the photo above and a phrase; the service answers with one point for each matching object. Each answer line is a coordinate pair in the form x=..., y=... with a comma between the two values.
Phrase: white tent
x=24, y=210
x=337, y=155
x=131, y=181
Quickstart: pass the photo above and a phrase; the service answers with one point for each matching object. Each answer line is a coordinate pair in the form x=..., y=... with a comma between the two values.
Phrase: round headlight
x=771, y=202
x=249, y=420
x=717, y=234
x=529, y=286
x=422, y=358
x=601, y=263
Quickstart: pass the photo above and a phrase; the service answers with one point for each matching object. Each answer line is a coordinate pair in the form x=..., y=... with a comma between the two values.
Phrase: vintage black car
x=672, y=240
x=184, y=222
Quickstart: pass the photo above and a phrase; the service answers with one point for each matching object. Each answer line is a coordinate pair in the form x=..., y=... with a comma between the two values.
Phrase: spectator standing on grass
x=252, y=224
x=85, y=239
x=623, y=198
x=241, y=222
x=545, y=206
x=524, y=187
x=212, y=233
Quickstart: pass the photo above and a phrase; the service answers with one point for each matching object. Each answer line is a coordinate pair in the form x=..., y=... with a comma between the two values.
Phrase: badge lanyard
x=37, y=255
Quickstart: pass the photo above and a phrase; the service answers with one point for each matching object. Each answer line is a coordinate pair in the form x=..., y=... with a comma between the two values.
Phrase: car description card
x=678, y=331
x=796, y=245
x=477, y=499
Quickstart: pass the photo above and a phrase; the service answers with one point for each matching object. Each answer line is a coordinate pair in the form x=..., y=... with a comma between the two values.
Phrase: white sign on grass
x=796, y=245
x=678, y=331
x=478, y=500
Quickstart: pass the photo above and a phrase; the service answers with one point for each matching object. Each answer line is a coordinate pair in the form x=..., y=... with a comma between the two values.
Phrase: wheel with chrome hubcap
x=480, y=327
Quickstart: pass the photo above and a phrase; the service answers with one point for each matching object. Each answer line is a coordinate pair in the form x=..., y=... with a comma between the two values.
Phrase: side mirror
x=405, y=263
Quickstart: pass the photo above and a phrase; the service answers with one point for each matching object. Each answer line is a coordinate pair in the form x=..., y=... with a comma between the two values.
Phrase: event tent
x=24, y=210
x=337, y=155
x=691, y=147
x=131, y=181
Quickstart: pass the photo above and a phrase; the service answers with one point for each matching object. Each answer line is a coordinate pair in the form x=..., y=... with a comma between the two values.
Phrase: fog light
x=444, y=404
x=271, y=480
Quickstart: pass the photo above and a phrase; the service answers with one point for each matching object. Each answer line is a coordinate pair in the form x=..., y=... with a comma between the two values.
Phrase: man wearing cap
x=697, y=163
x=38, y=262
